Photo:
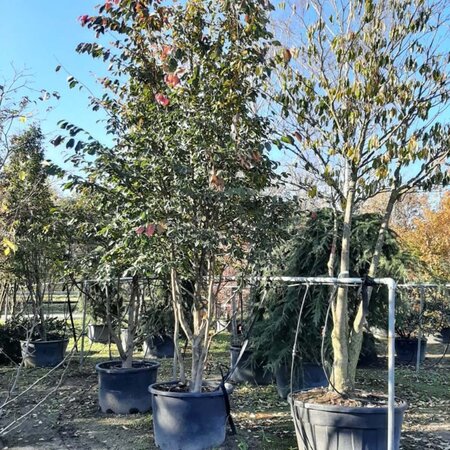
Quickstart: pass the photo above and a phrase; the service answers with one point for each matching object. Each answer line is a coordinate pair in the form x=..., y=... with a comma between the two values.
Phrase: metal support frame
x=419, y=334
x=392, y=288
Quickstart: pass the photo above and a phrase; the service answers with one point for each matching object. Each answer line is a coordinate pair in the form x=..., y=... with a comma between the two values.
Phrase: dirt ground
x=70, y=418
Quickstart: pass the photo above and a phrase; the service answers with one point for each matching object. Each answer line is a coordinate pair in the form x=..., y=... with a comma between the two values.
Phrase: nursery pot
x=161, y=346
x=246, y=371
x=189, y=420
x=99, y=333
x=125, y=391
x=43, y=353
x=406, y=350
x=445, y=335
x=306, y=376
x=326, y=427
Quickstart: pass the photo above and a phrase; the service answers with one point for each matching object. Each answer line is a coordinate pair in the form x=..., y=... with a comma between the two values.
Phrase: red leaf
x=140, y=230
x=150, y=230
x=162, y=99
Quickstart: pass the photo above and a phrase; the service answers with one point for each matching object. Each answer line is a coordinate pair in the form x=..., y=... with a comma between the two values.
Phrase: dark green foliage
x=307, y=254
x=16, y=329
x=99, y=295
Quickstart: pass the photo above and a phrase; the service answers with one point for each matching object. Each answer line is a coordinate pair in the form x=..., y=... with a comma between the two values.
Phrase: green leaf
x=287, y=139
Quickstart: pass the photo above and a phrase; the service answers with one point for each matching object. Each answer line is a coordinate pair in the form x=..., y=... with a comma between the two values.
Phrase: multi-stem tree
x=363, y=87
x=182, y=186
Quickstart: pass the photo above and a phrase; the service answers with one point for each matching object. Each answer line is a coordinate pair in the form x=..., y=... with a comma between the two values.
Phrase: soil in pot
x=186, y=420
x=324, y=420
x=99, y=333
x=43, y=353
x=125, y=391
x=406, y=350
x=161, y=346
x=306, y=376
x=247, y=371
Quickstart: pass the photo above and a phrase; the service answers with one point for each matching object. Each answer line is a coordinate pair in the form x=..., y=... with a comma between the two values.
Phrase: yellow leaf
x=22, y=119
x=9, y=245
x=22, y=175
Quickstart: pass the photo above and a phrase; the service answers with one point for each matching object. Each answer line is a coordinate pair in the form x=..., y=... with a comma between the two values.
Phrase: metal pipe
x=83, y=327
x=391, y=364
x=419, y=334
x=392, y=287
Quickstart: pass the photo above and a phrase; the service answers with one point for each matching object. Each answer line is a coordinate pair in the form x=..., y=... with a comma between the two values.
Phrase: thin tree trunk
x=133, y=310
x=339, y=336
x=356, y=338
x=179, y=321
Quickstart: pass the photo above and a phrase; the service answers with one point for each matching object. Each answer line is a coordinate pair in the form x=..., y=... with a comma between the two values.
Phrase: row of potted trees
x=186, y=188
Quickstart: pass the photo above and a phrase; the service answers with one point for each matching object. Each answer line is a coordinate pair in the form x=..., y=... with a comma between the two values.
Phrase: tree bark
x=356, y=337
x=339, y=336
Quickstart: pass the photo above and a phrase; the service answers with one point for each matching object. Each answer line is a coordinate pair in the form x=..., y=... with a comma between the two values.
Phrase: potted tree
x=355, y=123
x=186, y=176
x=97, y=308
x=306, y=254
x=123, y=384
x=157, y=324
x=413, y=315
x=36, y=250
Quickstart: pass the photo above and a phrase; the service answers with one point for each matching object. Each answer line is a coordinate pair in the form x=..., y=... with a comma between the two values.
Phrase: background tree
x=429, y=239
x=35, y=246
x=362, y=87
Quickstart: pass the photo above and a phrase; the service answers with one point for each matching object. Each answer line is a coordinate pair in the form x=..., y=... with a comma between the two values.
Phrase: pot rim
x=400, y=406
x=145, y=366
x=413, y=339
x=153, y=389
x=40, y=341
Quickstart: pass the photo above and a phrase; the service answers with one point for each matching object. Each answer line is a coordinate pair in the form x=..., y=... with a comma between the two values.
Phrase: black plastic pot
x=445, y=335
x=125, y=391
x=159, y=346
x=326, y=427
x=99, y=333
x=406, y=350
x=306, y=376
x=188, y=420
x=248, y=371
x=43, y=353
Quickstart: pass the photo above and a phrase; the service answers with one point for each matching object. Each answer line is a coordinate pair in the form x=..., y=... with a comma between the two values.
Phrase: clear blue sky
x=39, y=35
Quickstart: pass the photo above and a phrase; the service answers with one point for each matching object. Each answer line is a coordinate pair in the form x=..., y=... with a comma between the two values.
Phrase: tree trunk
x=133, y=312
x=339, y=336
x=356, y=337
x=180, y=322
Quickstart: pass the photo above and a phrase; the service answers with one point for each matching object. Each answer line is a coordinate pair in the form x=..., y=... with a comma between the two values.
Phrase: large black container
x=306, y=376
x=99, y=333
x=159, y=346
x=332, y=427
x=188, y=420
x=248, y=371
x=125, y=391
x=445, y=335
x=43, y=353
x=406, y=350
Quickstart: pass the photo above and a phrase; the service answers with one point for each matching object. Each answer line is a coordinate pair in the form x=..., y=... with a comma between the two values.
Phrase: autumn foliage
x=429, y=239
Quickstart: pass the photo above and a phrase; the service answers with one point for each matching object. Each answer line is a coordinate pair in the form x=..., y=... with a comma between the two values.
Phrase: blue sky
x=39, y=35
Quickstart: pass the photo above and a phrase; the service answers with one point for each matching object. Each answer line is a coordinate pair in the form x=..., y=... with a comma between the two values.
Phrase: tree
x=429, y=239
x=35, y=247
x=362, y=88
x=183, y=186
